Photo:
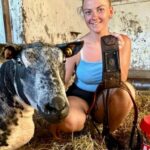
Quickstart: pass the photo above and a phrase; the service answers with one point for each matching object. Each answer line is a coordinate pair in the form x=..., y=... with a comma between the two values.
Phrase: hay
x=88, y=139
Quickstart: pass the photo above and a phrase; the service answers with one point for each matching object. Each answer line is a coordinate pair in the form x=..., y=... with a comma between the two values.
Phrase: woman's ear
x=111, y=10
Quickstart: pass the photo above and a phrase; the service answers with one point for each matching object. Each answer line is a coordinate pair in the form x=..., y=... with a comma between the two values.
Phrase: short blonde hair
x=109, y=1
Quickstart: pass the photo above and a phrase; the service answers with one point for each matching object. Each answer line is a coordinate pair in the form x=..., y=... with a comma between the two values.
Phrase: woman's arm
x=70, y=68
x=125, y=54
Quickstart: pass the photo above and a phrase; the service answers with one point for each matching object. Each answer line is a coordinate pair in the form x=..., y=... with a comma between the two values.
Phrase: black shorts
x=76, y=91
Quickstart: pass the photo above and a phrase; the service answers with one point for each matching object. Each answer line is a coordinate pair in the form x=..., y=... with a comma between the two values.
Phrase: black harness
x=112, y=79
x=19, y=73
x=110, y=140
x=10, y=74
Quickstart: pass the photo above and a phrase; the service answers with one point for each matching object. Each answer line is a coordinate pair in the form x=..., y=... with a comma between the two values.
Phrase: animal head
x=36, y=74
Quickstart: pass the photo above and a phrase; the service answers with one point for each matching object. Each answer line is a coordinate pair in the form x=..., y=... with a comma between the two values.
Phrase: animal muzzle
x=55, y=111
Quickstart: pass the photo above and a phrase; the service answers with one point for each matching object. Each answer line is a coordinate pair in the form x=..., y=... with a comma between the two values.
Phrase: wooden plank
x=120, y=2
x=139, y=74
x=17, y=19
x=2, y=30
x=7, y=22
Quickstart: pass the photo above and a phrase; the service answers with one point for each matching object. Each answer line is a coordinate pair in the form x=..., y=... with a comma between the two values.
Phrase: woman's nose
x=94, y=14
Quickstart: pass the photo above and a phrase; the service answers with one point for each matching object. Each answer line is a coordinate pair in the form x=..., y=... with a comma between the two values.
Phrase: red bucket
x=145, y=128
x=145, y=125
x=145, y=147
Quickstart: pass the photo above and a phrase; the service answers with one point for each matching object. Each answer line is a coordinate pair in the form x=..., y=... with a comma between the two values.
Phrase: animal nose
x=57, y=104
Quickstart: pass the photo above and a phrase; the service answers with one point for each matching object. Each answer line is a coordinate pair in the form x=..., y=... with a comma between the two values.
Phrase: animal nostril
x=58, y=103
x=49, y=107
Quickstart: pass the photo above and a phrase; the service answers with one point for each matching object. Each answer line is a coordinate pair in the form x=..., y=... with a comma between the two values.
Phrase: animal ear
x=72, y=48
x=13, y=48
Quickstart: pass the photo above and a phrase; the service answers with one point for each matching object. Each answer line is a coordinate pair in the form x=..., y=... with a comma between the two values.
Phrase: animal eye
x=19, y=61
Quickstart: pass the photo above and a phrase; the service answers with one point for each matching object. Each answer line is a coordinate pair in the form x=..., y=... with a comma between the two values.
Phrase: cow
x=32, y=80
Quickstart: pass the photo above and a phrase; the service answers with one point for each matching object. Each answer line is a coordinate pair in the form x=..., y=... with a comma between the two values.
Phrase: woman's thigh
x=77, y=104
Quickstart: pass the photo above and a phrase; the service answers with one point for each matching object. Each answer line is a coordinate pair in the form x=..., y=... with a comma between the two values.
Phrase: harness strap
x=106, y=133
x=92, y=105
x=134, y=127
x=5, y=76
x=10, y=75
x=106, y=114
x=18, y=82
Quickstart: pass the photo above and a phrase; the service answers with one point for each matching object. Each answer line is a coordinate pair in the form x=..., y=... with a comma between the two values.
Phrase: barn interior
x=55, y=22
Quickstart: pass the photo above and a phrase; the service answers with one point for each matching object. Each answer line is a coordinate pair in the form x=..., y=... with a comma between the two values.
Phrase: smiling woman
x=88, y=66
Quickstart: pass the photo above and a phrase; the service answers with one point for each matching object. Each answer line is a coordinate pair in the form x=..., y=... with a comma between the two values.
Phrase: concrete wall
x=57, y=21
x=132, y=17
x=53, y=21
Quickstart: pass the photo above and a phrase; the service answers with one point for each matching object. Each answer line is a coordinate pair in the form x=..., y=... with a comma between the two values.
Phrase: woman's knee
x=122, y=99
x=76, y=118
x=131, y=89
x=74, y=122
x=119, y=103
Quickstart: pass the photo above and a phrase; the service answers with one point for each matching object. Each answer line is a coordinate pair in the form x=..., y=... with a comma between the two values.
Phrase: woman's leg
x=119, y=105
x=76, y=118
x=77, y=115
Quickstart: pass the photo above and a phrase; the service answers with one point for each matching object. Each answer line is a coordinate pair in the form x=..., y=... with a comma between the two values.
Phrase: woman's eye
x=87, y=13
x=100, y=10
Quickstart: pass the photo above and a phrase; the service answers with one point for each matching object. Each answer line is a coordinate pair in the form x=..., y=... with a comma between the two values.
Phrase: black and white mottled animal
x=33, y=79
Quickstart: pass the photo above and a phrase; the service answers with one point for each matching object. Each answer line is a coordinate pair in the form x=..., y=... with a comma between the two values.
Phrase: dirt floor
x=88, y=139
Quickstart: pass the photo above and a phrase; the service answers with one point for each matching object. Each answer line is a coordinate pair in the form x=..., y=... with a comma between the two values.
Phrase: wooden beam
x=139, y=74
x=7, y=22
x=121, y=2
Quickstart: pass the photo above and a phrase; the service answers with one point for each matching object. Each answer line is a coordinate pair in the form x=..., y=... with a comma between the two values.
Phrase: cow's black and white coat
x=34, y=79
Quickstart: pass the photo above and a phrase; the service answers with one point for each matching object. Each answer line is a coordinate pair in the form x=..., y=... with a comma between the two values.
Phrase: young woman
x=88, y=68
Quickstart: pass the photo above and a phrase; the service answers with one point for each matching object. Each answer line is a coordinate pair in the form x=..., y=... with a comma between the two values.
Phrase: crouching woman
x=88, y=67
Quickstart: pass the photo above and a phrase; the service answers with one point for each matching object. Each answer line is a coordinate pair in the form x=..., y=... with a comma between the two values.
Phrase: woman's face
x=97, y=14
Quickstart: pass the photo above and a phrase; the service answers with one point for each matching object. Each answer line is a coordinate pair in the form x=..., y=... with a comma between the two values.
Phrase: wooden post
x=7, y=22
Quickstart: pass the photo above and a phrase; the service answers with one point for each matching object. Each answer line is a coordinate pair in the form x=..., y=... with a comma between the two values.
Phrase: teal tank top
x=88, y=75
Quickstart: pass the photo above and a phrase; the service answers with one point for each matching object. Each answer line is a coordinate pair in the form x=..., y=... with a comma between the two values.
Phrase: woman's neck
x=96, y=36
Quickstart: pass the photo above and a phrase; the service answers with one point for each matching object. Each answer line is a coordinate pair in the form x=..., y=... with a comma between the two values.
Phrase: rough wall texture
x=57, y=21
x=133, y=19
x=15, y=7
x=52, y=21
